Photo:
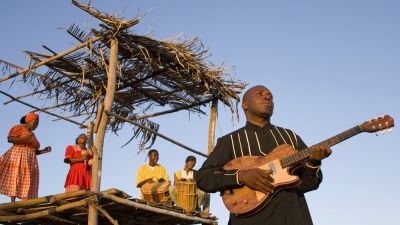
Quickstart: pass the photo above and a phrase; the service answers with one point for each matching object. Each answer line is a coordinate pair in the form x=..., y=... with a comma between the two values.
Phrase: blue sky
x=330, y=64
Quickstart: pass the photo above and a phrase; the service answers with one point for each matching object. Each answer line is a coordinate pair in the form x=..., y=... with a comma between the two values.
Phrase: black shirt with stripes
x=288, y=206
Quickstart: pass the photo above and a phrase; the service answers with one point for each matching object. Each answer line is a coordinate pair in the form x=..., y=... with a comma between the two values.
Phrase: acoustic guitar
x=244, y=201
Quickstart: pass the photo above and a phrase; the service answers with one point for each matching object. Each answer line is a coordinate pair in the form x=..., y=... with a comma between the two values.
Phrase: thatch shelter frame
x=139, y=71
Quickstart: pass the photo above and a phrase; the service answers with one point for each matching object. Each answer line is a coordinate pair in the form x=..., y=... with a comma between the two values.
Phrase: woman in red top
x=78, y=157
x=19, y=170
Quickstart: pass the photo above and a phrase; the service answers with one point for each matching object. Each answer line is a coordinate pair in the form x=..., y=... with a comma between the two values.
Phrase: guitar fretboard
x=302, y=155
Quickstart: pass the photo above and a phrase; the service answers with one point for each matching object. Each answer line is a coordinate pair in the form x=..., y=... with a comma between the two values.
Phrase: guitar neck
x=304, y=154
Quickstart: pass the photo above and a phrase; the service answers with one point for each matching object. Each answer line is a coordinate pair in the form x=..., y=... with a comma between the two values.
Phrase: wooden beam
x=157, y=133
x=100, y=108
x=168, y=111
x=211, y=137
x=43, y=62
x=157, y=210
x=20, y=68
x=47, y=199
x=43, y=213
x=49, y=217
x=41, y=110
x=89, y=134
x=36, y=92
x=107, y=215
x=101, y=131
x=211, y=128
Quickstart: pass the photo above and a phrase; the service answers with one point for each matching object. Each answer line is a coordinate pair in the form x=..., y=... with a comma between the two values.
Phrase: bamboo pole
x=60, y=105
x=89, y=135
x=211, y=137
x=155, y=132
x=106, y=214
x=60, y=220
x=20, y=68
x=108, y=101
x=31, y=94
x=38, y=109
x=211, y=128
x=156, y=210
x=43, y=213
x=49, y=217
x=169, y=111
x=41, y=200
x=42, y=62
x=47, y=199
x=73, y=116
x=100, y=108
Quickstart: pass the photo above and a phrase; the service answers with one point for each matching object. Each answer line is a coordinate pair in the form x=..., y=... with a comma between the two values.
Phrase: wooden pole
x=156, y=210
x=41, y=110
x=41, y=200
x=56, y=219
x=100, y=108
x=49, y=198
x=43, y=213
x=108, y=101
x=211, y=128
x=107, y=215
x=89, y=135
x=211, y=137
x=169, y=111
x=28, y=69
x=156, y=133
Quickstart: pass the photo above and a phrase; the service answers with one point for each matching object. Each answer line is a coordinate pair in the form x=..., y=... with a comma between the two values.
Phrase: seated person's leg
x=200, y=198
x=172, y=193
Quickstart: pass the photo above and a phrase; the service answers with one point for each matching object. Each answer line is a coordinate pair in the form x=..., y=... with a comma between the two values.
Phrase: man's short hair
x=151, y=151
x=190, y=158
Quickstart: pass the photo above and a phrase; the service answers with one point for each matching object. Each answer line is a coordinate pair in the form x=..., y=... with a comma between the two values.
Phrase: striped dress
x=19, y=170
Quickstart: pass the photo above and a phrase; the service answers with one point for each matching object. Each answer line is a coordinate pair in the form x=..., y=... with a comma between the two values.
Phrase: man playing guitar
x=258, y=138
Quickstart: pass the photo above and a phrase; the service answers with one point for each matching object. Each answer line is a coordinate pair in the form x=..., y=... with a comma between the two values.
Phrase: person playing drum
x=152, y=172
x=187, y=174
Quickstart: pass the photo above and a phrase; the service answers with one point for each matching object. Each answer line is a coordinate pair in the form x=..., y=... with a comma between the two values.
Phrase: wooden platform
x=114, y=207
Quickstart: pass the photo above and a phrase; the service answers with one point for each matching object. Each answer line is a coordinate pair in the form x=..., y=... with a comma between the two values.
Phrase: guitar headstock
x=377, y=124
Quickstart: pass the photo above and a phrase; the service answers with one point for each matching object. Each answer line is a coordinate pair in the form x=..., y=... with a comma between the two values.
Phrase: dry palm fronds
x=151, y=74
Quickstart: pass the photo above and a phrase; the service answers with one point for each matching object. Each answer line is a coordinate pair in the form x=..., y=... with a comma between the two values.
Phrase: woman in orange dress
x=78, y=157
x=19, y=170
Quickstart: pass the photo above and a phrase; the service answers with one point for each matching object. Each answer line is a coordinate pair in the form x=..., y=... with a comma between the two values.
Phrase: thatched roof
x=152, y=75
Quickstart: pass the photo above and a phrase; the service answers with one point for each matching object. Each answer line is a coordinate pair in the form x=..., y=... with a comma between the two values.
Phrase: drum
x=186, y=195
x=156, y=192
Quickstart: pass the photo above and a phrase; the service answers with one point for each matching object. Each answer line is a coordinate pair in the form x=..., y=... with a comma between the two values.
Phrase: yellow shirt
x=156, y=172
x=182, y=174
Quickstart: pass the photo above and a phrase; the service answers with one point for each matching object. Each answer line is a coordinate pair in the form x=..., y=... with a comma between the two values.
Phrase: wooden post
x=211, y=137
x=44, y=61
x=89, y=135
x=108, y=100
